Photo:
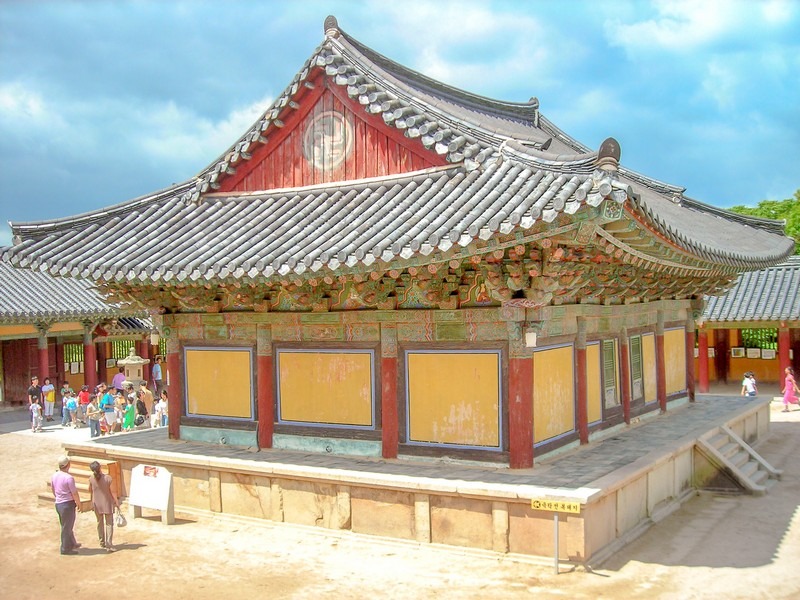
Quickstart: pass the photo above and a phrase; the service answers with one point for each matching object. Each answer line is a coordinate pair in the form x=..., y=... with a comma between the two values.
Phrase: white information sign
x=151, y=487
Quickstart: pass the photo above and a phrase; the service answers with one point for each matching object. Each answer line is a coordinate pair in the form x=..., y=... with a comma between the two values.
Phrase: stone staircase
x=725, y=462
x=79, y=469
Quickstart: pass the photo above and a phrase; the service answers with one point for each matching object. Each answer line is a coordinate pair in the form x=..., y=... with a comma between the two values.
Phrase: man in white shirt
x=749, y=385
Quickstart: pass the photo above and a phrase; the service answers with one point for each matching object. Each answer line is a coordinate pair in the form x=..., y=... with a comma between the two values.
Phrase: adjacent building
x=61, y=328
x=754, y=326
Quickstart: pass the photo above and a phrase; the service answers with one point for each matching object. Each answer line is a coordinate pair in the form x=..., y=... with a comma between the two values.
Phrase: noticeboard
x=151, y=487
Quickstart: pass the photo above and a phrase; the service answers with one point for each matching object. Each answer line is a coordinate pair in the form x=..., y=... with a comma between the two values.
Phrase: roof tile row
x=31, y=296
x=771, y=294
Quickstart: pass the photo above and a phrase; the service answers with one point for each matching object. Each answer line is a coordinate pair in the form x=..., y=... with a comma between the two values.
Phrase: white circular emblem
x=328, y=140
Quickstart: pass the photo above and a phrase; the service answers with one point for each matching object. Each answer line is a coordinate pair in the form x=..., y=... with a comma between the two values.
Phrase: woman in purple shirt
x=67, y=502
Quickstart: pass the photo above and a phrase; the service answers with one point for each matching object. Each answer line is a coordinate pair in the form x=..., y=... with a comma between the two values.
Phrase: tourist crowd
x=105, y=410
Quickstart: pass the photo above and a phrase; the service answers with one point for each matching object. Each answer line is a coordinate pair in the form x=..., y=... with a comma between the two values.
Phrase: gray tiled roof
x=261, y=234
x=771, y=294
x=511, y=169
x=30, y=296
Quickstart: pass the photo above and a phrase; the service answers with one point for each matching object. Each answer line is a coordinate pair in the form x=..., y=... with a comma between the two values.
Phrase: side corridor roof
x=771, y=294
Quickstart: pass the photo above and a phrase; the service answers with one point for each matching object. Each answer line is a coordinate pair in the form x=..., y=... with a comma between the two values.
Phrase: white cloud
x=595, y=105
x=777, y=12
x=23, y=108
x=474, y=46
x=720, y=83
x=679, y=25
x=175, y=134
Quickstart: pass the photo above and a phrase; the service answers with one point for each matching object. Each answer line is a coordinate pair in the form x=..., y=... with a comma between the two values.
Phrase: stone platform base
x=486, y=508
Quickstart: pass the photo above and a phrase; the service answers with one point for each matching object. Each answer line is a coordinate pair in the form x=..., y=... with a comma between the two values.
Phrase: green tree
x=788, y=210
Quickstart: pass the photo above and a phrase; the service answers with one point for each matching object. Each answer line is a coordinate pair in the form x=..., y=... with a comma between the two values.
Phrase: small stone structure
x=133, y=367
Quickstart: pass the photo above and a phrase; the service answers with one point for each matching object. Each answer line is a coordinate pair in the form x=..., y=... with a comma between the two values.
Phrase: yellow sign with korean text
x=555, y=505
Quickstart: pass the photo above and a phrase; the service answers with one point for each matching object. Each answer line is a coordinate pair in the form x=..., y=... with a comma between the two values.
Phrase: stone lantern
x=133, y=367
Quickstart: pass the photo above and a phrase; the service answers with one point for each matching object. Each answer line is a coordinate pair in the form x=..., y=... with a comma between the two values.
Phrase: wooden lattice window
x=73, y=353
x=637, y=377
x=121, y=348
x=73, y=358
x=610, y=373
x=766, y=339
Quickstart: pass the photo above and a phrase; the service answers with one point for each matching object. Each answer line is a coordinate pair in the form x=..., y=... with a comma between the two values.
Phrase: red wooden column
x=44, y=359
x=624, y=359
x=265, y=402
x=661, y=370
x=702, y=359
x=390, y=427
x=582, y=388
x=784, y=344
x=520, y=412
x=175, y=388
x=101, y=361
x=144, y=352
x=59, y=364
x=89, y=357
x=690, y=358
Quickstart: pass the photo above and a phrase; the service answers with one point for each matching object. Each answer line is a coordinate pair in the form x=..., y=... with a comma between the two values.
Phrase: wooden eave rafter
x=642, y=242
x=532, y=269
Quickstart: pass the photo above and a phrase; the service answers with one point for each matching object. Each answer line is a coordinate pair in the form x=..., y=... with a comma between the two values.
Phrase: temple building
x=385, y=265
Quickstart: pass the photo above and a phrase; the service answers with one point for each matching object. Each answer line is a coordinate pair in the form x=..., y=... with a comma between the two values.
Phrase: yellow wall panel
x=62, y=327
x=649, y=367
x=675, y=360
x=454, y=398
x=219, y=382
x=326, y=387
x=553, y=393
x=594, y=393
x=9, y=330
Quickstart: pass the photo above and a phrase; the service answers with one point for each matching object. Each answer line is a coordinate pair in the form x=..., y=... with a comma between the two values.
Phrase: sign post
x=556, y=506
x=151, y=487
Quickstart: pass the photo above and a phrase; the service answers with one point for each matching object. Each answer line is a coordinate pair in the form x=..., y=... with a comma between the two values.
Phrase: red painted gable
x=328, y=137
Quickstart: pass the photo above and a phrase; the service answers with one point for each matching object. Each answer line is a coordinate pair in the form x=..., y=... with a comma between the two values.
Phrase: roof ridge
x=771, y=225
x=332, y=185
x=527, y=110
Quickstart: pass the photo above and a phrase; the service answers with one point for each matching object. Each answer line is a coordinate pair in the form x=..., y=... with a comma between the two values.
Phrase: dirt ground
x=713, y=547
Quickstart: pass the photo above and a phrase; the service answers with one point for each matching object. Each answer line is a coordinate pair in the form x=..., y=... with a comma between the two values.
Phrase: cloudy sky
x=104, y=101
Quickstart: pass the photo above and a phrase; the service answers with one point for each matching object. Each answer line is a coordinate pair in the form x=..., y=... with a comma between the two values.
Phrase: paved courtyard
x=713, y=547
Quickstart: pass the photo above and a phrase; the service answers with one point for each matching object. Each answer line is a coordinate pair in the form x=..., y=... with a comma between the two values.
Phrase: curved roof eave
x=34, y=228
x=719, y=235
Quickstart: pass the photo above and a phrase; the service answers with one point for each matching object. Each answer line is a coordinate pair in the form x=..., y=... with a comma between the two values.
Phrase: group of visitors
x=68, y=503
x=111, y=410
x=105, y=410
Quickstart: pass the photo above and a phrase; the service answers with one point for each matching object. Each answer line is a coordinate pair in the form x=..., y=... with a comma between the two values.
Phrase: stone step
x=740, y=458
x=730, y=449
x=749, y=469
x=745, y=466
x=47, y=499
x=760, y=477
x=719, y=440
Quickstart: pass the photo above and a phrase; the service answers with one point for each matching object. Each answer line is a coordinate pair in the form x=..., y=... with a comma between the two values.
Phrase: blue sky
x=103, y=101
